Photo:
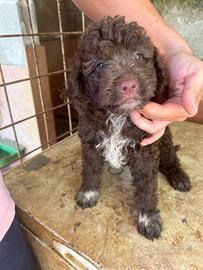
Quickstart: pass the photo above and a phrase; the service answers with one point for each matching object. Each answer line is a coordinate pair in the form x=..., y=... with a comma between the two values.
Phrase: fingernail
x=194, y=109
x=143, y=144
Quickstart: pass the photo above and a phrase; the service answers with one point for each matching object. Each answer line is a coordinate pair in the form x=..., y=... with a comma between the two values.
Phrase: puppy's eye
x=137, y=56
x=100, y=65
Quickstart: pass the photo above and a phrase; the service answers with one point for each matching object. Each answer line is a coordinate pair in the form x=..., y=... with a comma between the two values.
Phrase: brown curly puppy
x=117, y=70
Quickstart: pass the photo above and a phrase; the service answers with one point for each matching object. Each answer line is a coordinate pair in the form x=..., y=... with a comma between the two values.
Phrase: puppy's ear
x=161, y=74
x=75, y=84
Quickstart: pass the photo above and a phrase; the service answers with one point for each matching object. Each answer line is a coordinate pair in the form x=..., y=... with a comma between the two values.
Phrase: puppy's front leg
x=144, y=172
x=88, y=194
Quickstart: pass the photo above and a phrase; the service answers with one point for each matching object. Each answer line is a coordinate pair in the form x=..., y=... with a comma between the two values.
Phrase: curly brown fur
x=117, y=70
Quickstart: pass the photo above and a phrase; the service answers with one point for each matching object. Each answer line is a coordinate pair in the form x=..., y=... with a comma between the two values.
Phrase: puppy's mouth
x=128, y=105
x=124, y=100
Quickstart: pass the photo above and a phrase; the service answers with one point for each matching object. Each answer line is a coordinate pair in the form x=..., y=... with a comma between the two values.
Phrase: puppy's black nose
x=127, y=87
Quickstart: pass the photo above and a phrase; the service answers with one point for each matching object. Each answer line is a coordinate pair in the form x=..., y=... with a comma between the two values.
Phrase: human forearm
x=142, y=11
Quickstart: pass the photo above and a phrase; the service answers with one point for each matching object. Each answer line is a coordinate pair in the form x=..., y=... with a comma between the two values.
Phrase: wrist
x=170, y=42
x=173, y=52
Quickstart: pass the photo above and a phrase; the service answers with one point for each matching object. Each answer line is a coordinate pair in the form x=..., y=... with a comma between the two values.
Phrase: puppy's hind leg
x=144, y=172
x=170, y=165
x=88, y=194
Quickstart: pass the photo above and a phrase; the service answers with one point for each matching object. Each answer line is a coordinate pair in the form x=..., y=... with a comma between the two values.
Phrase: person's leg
x=15, y=254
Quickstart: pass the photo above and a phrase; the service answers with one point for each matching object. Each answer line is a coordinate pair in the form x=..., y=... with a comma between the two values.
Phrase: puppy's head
x=117, y=67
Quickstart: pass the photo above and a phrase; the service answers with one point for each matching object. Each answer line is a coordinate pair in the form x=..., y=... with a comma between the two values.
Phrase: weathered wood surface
x=44, y=190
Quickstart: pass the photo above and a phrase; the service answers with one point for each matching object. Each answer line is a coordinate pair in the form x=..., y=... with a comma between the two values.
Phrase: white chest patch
x=114, y=145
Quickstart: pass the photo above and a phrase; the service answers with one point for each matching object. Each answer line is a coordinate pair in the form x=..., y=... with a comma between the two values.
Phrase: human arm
x=143, y=12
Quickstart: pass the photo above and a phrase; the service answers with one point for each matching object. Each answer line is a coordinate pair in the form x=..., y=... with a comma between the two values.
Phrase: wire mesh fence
x=44, y=114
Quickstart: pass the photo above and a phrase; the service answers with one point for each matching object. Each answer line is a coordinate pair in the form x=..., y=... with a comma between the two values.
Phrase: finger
x=148, y=125
x=192, y=94
x=152, y=138
x=169, y=111
x=140, y=121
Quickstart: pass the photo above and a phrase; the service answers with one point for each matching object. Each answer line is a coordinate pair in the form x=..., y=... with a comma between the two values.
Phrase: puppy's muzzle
x=127, y=87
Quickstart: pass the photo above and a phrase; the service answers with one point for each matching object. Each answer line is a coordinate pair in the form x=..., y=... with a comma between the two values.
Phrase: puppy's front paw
x=87, y=198
x=149, y=224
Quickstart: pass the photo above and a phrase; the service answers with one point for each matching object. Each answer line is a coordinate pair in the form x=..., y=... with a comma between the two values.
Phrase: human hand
x=185, y=74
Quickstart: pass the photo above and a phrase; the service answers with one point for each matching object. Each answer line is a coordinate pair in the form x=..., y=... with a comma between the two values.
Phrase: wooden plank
x=46, y=257
x=44, y=189
x=46, y=94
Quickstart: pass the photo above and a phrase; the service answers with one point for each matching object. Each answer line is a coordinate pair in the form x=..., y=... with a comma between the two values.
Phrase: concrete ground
x=105, y=237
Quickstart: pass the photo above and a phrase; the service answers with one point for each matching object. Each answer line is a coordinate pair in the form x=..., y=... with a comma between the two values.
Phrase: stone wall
x=186, y=16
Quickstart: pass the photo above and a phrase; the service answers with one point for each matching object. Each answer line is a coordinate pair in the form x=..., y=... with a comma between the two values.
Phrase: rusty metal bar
x=83, y=21
x=64, y=61
x=36, y=57
x=35, y=77
x=35, y=115
x=44, y=145
x=75, y=33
